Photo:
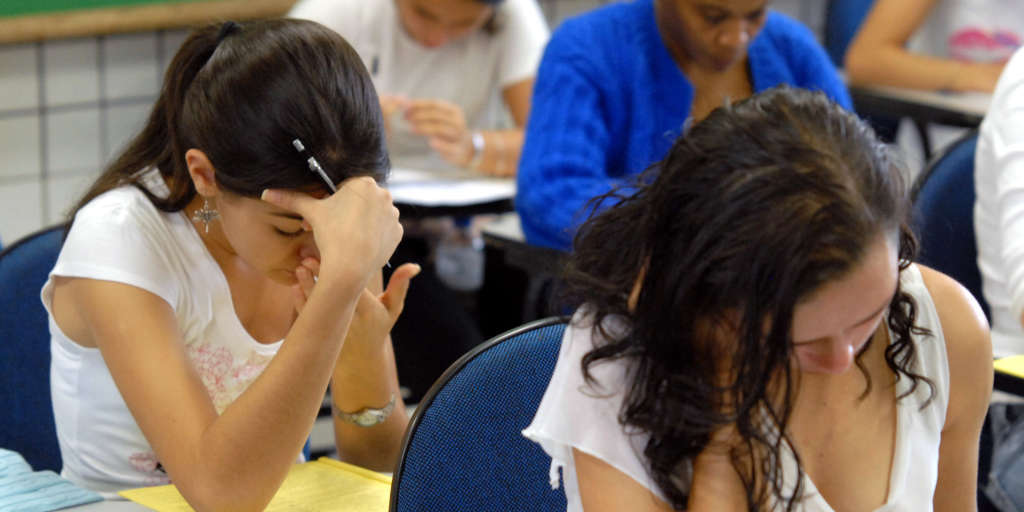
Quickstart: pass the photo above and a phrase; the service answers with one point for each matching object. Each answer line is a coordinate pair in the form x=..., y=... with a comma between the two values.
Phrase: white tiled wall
x=18, y=77
x=67, y=106
x=70, y=72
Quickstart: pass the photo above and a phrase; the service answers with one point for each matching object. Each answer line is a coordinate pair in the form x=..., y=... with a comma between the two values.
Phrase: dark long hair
x=241, y=94
x=751, y=211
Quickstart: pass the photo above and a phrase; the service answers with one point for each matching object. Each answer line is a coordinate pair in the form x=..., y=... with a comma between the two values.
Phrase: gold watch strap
x=367, y=417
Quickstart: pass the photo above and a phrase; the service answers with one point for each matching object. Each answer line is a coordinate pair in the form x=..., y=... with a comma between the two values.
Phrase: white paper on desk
x=447, y=187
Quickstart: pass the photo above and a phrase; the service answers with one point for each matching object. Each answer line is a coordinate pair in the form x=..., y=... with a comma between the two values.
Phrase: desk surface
x=952, y=108
x=108, y=506
x=505, y=234
x=424, y=193
x=505, y=227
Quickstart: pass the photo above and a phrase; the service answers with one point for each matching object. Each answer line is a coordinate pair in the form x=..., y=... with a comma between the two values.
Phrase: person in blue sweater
x=618, y=84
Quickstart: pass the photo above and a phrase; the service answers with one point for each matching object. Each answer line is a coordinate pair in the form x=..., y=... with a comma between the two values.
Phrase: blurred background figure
x=454, y=79
x=954, y=45
x=454, y=76
x=617, y=85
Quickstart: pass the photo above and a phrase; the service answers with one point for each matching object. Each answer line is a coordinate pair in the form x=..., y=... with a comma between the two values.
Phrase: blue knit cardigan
x=609, y=100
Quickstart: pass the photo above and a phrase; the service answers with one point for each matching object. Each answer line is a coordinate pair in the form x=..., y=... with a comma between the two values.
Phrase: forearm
x=499, y=155
x=244, y=454
x=894, y=66
x=368, y=380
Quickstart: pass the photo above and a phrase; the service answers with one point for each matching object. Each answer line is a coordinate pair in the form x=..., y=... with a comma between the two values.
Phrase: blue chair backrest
x=842, y=20
x=27, y=426
x=944, y=215
x=463, y=450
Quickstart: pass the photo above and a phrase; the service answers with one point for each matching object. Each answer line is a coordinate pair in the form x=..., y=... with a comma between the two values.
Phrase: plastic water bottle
x=459, y=258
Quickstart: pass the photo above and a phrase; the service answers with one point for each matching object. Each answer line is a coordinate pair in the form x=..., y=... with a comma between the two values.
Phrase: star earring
x=205, y=215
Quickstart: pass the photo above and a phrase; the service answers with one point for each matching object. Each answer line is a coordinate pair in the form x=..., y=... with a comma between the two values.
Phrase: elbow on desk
x=218, y=502
x=217, y=494
x=374, y=452
x=368, y=460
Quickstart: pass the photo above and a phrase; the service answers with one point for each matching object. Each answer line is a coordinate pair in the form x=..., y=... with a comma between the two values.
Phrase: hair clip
x=313, y=164
x=228, y=28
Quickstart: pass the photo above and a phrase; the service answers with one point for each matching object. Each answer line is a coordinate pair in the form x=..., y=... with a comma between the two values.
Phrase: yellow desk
x=1009, y=376
x=323, y=484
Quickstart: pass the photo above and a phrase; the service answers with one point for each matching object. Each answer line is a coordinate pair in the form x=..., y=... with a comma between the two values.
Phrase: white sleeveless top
x=120, y=236
x=573, y=414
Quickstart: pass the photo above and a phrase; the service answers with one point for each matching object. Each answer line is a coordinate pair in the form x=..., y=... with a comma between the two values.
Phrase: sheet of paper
x=324, y=484
x=1014, y=365
x=447, y=187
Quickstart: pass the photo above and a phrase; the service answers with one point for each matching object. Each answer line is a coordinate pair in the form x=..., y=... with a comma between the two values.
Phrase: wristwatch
x=367, y=417
x=477, y=139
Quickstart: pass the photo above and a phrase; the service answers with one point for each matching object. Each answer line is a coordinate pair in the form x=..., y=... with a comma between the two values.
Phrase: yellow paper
x=1014, y=365
x=324, y=484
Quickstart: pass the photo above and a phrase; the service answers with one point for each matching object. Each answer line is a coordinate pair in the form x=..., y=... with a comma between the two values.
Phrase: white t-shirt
x=120, y=236
x=999, y=209
x=470, y=72
x=971, y=30
x=573, y=414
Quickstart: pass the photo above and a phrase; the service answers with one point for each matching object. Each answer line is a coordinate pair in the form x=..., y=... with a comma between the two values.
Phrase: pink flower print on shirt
x=223, y=377
x=146, y=462
x=253, y=367
x=213, y=364
x=973, y=44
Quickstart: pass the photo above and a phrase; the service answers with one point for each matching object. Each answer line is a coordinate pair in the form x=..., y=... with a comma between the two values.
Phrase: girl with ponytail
x=225, y=270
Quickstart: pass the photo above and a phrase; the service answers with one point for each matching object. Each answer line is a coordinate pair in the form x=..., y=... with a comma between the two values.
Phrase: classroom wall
x=67, y=106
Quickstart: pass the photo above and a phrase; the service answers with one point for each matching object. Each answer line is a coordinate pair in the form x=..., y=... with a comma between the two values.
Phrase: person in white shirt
x=454, y=76
x=455, y=79
x=951, y=45
x=999, y=233
x=754, y=335
x=999, y=209
x=225, y=269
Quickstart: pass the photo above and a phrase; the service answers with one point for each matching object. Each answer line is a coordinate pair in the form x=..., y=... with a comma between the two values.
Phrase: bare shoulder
x=968, y=344
x=963, y=321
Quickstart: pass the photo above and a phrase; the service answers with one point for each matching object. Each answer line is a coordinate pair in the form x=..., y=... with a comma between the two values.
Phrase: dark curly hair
x=751, y=211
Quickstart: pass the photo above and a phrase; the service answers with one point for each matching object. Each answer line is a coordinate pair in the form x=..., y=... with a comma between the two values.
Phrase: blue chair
x=842, y=21
x=463, y=450
x=25, y=350
x=944, y=215
x=27, y=426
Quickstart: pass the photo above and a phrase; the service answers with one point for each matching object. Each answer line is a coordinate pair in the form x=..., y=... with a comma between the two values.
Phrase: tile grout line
x=44, y=160
x=104, y=104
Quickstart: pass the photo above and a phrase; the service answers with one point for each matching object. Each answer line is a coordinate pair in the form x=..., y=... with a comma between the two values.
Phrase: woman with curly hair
x=759, y=338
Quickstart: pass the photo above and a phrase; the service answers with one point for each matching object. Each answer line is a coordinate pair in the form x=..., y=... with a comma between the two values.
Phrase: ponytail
x=159, y=144
x=241, y=94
